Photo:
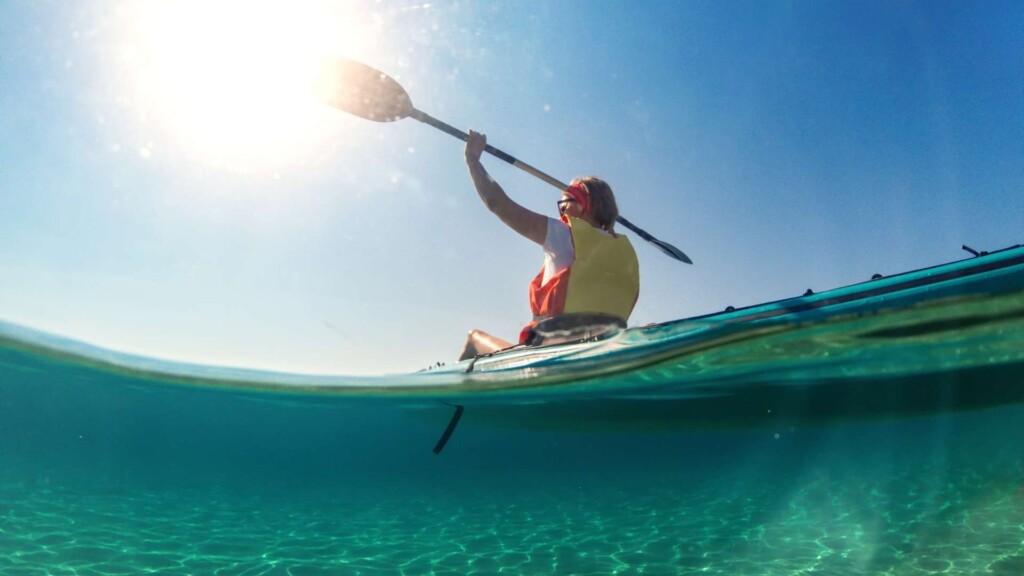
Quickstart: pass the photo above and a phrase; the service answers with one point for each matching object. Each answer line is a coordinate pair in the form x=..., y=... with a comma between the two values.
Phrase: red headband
x=579, y=193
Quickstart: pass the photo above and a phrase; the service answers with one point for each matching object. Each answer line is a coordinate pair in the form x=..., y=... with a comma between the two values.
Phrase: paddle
x=371, y=94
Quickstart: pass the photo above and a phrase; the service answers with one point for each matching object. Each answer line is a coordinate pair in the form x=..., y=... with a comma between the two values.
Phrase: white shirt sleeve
x=559, y=252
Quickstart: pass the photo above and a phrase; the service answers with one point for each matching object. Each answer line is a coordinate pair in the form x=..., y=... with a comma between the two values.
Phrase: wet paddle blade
x=363, y=91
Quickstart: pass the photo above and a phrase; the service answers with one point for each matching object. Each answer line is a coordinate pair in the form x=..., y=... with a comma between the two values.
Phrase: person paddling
x=587, y=266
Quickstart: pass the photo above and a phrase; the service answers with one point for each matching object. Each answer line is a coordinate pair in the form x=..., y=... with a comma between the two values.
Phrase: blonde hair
x=602, y=201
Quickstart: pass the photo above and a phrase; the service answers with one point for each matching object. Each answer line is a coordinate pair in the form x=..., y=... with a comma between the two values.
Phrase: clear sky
x=169, y=186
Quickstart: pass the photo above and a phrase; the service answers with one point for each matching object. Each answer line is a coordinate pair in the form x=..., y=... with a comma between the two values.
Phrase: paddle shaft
x=444, y=127
x=369, y=93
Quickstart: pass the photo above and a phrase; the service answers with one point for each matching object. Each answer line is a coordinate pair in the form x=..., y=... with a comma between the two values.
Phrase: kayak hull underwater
x=945, y=338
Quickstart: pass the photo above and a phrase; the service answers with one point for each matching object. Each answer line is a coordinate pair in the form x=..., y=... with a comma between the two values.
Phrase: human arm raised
x=526, y=222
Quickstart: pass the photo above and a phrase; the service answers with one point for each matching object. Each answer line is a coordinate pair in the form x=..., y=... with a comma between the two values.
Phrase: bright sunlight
x=231, y=84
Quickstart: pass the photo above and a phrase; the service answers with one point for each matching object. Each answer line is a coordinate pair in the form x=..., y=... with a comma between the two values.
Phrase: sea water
x=106, y=471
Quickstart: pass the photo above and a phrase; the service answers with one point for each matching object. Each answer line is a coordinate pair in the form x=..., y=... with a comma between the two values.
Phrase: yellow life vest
x=604, y=277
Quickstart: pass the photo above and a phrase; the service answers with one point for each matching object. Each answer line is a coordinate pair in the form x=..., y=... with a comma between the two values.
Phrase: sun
x=232, y=84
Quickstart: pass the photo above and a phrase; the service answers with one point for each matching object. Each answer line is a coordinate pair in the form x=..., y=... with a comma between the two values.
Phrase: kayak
x=944, y=338
x=930, y=301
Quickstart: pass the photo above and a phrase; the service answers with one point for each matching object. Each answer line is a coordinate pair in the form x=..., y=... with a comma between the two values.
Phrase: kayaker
x=587, y=266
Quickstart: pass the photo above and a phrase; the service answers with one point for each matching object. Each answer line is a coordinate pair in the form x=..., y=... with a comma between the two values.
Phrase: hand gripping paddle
x=371, y=94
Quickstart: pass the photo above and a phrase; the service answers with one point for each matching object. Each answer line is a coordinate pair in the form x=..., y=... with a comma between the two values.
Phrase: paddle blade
x=665, y=247
x=671, y=251
x=363, y=91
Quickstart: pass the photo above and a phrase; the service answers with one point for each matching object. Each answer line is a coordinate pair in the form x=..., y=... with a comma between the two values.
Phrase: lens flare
x=232, y=84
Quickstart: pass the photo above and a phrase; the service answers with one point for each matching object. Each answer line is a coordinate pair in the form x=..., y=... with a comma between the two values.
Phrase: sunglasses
x=563, y=204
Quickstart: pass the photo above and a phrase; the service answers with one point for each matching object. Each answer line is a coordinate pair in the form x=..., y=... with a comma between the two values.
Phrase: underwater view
x=100, y=478
x=332, y=490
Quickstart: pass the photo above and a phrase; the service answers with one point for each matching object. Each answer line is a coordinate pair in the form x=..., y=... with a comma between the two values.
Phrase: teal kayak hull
x=944, y=338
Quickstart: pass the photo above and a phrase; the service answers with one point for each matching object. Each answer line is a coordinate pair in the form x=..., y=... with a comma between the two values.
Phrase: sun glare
x=232, y=83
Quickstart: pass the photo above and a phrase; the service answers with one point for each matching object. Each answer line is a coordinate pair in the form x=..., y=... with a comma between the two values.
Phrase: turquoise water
x=191, y=482
x=885, y=441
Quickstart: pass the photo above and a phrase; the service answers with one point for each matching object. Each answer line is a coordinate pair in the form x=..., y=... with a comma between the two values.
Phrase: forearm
x=523, y=221
x=492, y=195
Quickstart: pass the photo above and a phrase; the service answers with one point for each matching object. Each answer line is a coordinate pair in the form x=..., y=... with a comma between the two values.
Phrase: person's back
x=603, y=276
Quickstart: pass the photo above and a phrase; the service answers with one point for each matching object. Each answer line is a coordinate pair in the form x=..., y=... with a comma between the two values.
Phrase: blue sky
x=169, y=187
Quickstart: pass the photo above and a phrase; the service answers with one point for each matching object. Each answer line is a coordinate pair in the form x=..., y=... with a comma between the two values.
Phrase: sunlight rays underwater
x=843, y=500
